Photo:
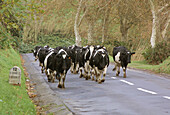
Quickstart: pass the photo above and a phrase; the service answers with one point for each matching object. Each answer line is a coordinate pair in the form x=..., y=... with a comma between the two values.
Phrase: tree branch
x=161, y=9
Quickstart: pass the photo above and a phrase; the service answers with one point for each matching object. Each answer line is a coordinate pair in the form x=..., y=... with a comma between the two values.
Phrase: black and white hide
x=121, y=57
x=36, y=51
x=99, y=63
x=49, y=65
x=87, y=56
x=62, y=65
x=73, y=52
x=43, y=52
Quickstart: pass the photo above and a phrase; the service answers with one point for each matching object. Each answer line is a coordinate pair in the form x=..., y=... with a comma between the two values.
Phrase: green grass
x=14, y=100
x=161, y=68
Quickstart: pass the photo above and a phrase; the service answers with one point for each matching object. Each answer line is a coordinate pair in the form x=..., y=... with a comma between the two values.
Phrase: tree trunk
x=90, y=30
x=154, y=24
x=105, y=25
x=76, y=28
x=164, y=32
x=35, y=28
x=123, y=29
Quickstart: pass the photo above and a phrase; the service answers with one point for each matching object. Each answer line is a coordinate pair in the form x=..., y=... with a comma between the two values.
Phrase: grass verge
x=14, y=100
x=161, y=68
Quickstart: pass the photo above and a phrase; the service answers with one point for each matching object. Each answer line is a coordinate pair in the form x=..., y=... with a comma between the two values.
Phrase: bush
x=158, y=54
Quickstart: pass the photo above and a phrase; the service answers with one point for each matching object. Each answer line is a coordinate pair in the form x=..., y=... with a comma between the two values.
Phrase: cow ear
x=132, y=53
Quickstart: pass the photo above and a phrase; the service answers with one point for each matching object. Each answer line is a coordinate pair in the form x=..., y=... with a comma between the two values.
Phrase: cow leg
x=81, y=73
x=48, y=75
x=63, y=86
x=42, y=68
x=118, y=70
x=71, y=68
x=93, y=73
x=89, y=73
x=76, y=69
x=99, y=78
x=97, y=73
x=60, y=82
x=63, y=75
x=115, y=68
x=104, y=74
x=124, y=72
x=46, y=71
x=53, y=77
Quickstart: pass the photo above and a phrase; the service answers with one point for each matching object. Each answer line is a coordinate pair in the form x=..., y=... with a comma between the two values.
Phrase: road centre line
x=129, y=83
x=147, y=91
x=166, y=97
x=113, y=77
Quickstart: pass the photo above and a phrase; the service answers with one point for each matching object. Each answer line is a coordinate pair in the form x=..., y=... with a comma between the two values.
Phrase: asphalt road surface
x=141, y=93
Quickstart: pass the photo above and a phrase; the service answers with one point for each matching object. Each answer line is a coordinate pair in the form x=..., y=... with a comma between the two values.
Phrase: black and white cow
x=73, y=52
x=62, y=65
x=49, y=65
x=36, y=51
x=87, y=56
x=121, y=57
x=99, y=63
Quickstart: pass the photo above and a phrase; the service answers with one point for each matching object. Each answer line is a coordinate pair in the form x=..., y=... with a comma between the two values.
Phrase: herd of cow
x=89, y=61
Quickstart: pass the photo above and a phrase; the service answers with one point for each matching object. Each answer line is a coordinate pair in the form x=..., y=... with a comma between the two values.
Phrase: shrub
x=158, y=54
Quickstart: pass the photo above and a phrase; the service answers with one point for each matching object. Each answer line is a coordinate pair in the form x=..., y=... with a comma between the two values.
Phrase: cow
x=73, y=52
x=41, y=54
x=49, y=65
x=87, y=56
x=121, y=57
x=62, y=65
x=36, y=51
x=99, y=63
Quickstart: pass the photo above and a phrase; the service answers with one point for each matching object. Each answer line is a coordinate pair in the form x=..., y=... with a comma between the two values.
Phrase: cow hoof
x=63, y=87
x=117, y=74
x=103, y=80
x=59, y=86
x=124, y=76
x=81, y=76
x=99, y=82
x=92, y=79
x=96, y=80
x=86, y=78
x=49, y=80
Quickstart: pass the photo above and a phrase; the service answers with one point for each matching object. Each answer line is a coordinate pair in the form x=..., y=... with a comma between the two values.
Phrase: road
x=141, y=93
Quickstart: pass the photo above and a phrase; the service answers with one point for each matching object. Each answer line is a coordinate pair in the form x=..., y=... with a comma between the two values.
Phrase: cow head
x=63, y=60
x=36, y=51
x=127, y=56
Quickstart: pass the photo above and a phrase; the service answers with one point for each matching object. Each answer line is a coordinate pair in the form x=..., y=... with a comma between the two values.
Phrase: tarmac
x=45, y=97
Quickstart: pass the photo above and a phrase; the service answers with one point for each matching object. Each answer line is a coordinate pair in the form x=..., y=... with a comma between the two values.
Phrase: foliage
x=51, y=40
x=13, y=99
x=158, y=54
x=13, y=15
x=110, y=44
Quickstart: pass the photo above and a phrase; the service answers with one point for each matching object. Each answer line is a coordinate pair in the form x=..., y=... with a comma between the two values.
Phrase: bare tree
x=77, y=24
x=156, y=15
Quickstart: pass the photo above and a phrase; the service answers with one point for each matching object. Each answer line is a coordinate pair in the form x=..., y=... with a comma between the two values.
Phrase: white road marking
x=166, y=97
x=147, y=91
x=129, y=83
x=113, y=77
